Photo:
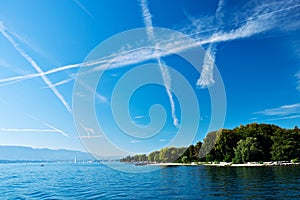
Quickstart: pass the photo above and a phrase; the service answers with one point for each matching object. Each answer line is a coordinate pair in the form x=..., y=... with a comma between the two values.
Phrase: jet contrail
x=57, y=130
x=167, y=82
x=51, y=130
x=147, y=19
x=101, y=61
x=220, y=13
x=54, y=129
x=83, y=8
x=253, y=25
x=175, y=44
x=63, y=81
x=33, y=130
x=7, y=35
x=164, y=70
x=27, y=130
x=206, y=78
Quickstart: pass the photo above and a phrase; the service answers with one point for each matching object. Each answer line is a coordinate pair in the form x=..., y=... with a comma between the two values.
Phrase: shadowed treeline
x=249, y=143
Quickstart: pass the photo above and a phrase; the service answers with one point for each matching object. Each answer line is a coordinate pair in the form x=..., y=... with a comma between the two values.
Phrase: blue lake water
x=97, y=181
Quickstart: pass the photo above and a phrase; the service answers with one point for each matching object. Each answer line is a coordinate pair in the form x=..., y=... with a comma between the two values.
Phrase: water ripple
x=95, y=181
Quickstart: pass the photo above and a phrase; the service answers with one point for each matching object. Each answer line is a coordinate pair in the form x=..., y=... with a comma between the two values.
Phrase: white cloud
x=63, y=82
x=283, y=118
x=139, y=117
x=284, y=110
x=135, y=141
x=220, y=12
x=254, y=24
x=90, y=136
x=249, y=22
x=147, y=19
x=206, y=79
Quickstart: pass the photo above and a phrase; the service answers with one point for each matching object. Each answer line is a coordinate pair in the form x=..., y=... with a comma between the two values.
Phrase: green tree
x=248, y=150
x=184, y=159
x=157, y=158
x=152, y=155
x=171, y=154
x=286, y=145
x=142, y=158
x=224, y=148
x=252, y=142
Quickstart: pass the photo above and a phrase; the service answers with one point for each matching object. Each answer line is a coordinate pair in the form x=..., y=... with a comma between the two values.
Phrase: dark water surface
x=96, y=181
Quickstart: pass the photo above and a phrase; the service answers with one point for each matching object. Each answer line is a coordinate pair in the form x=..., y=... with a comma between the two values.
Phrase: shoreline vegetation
x=227, y=164
x=250, y=145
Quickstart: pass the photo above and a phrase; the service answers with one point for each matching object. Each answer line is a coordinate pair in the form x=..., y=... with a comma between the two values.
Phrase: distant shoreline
x=227, y=164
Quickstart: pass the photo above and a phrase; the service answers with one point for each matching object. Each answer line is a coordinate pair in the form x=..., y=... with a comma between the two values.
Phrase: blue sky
x=255, y=46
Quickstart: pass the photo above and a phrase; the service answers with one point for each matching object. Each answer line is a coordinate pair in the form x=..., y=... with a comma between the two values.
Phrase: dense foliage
x=252, y=142
x=167, y=155
x=256, y=142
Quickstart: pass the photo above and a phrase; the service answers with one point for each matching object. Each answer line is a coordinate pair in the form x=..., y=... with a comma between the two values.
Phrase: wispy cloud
x=57, y=130
x=63, y=81
x=282, y=111
x=26, y=130
x=284, y=118
x=99, y=97
x=51, y=130
x=164, y=70
x=12, y=68
x=90, y=136
x=82, y=7
x=54, y=129
x=8, y=36
x=220, y=12
x=248, y=22
x=135, y=141
x=139, y=117
x=34, y=47
x=255, y=20
x=147, y=19
x=297, y=75
x=167, y=82
x=206, y=78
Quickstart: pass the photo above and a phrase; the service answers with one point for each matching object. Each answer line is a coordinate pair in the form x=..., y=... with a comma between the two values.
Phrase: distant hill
x=19, y=153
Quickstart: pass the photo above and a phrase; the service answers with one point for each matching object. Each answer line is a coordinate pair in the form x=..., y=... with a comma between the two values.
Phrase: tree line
x=168, y=155
x=246, y=143
x=255, y=142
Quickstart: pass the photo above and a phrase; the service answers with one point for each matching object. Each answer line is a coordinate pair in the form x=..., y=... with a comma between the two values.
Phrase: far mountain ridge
x=12, y=153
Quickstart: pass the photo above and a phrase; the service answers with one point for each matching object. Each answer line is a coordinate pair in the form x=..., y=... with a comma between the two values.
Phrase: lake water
x=96, y=181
